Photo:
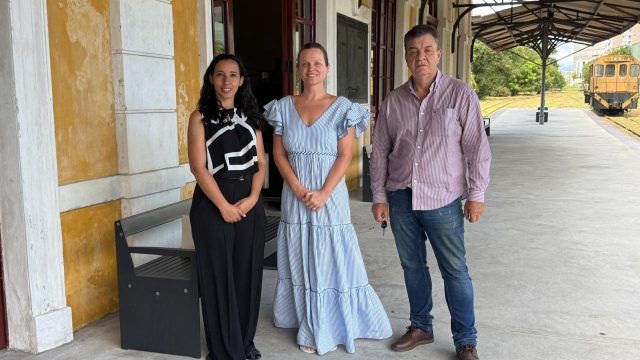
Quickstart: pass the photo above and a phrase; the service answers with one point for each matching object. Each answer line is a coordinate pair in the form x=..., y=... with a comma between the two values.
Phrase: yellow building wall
x=83, y=104
x=352, y=177
x=90, y=261
x=185, y=39
x=186, y=192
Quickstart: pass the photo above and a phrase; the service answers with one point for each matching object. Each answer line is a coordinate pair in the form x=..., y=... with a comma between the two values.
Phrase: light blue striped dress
x=322, y=286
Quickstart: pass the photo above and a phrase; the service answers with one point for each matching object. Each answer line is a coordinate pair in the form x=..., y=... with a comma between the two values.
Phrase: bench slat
x=167, y=267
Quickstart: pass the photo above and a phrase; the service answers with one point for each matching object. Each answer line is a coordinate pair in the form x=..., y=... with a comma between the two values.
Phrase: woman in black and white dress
x=226, y=156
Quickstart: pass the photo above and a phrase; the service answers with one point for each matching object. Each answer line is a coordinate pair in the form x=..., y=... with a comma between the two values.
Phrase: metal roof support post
x=544, y=55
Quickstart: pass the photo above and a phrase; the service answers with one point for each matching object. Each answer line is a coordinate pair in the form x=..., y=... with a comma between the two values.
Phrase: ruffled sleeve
x=273, y=116
x=356, y=117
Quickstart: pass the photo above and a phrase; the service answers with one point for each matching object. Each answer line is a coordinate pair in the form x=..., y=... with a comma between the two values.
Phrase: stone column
x=146, y=120
x=38, y=318
x=145, y=103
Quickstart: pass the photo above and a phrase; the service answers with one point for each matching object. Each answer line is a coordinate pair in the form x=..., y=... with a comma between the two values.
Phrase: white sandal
x=310, y=350
x=307, y=349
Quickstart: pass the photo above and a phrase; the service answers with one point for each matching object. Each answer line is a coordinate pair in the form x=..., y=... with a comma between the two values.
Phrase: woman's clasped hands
x=315, y=200
x=232, y=213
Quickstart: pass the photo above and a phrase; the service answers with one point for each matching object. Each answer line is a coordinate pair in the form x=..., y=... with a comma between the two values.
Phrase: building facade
x=95, y=102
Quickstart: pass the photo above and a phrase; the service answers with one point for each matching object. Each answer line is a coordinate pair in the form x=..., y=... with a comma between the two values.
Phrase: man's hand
x=473, y=210
x=380, y=211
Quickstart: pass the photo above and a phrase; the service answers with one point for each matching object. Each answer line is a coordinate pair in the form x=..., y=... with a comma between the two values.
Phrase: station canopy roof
x=584, y=22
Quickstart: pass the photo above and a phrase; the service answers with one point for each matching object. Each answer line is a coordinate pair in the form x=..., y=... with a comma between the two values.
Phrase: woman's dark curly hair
x=244, y=100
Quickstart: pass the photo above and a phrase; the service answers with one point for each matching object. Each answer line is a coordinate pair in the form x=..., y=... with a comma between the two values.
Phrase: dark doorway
x=267, y=35
x=258, y=31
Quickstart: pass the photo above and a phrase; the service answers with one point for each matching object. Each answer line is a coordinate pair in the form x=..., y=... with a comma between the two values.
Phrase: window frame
x=607, y=73
x=598, y=70
x=620, y=72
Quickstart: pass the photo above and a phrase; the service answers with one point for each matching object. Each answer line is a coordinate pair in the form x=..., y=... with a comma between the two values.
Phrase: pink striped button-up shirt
x=431, y=145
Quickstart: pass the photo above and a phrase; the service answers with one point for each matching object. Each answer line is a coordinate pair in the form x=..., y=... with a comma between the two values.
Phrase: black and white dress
x=231, y=145
x=229, y=255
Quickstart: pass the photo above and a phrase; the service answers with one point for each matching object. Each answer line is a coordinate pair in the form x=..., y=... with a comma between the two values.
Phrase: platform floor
x=555, y=260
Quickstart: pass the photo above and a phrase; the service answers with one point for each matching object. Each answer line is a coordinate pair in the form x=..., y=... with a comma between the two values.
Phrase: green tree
x=490, y=69
x=511, y=72
x=621, y=50
x=586, y=72
x=554, y=80
x=526, y=79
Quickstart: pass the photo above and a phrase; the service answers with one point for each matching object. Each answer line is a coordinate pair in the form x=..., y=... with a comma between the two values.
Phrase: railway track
x=495, y=107
x=631, y=124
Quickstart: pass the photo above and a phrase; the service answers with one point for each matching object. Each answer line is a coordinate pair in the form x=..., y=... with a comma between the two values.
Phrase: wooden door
x=222, y=26
x=383, y=47
x=299, y=28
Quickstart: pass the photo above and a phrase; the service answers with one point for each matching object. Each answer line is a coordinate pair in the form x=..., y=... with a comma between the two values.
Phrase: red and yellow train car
x=614, y=82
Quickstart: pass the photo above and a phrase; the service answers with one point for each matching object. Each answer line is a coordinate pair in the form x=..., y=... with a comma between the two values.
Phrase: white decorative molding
x=38, y=318
x=149, y=202
x=146, y=111
x=90, y=192
x=152, y=182
x=142, y=53
x=98, y=191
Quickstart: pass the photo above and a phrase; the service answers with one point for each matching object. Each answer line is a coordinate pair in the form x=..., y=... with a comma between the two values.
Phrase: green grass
x=553, y=99
x=630, y=122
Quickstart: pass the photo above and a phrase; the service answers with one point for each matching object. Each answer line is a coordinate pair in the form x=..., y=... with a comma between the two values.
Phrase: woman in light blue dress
x=322, y=288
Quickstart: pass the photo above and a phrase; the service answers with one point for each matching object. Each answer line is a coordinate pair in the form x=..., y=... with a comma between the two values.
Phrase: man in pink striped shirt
x=429, y=137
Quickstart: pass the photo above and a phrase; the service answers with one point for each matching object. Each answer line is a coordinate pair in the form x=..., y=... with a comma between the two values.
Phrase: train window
x=634, y=70
x=599, y=70
x=610, y=70
x=623, y=70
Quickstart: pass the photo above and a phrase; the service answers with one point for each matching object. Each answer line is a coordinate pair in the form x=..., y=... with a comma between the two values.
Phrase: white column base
x=53, y=329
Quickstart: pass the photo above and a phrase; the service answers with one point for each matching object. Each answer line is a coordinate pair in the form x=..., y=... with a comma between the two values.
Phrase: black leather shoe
x=254, y=354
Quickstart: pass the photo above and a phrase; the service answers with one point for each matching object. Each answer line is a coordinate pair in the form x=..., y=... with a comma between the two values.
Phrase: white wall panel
x=148, y=25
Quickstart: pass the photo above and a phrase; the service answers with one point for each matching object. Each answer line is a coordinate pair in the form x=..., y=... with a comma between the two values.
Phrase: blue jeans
x=444, y=228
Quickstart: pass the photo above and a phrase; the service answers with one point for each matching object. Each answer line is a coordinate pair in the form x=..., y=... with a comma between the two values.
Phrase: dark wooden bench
x=159, y=302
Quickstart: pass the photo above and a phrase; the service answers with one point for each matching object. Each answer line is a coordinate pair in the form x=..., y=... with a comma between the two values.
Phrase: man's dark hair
x=420, y=30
